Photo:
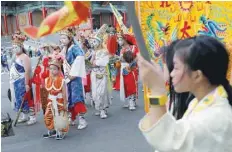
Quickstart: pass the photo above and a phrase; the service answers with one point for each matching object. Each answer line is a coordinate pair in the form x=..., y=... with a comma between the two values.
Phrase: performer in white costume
x=99, y=75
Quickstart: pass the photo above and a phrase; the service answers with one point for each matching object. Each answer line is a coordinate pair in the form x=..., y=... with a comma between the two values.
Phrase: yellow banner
x=163, y=22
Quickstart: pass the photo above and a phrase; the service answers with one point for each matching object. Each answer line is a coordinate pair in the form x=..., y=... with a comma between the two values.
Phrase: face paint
x=96, y=43
x=54, y=70
x=111, y=33
x=17, y=49
x=120, y=42
x=91, y=43
x=64, y=40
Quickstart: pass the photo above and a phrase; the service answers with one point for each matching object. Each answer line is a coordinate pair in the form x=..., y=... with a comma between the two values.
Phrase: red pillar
x=17, y=22
x=5, y=24
x=11, y=24
x=110, y=19
x=124, y=18
x=114, y=20
x=100, y=19
x=91, y=18
x=30, y=18
x=44, y=12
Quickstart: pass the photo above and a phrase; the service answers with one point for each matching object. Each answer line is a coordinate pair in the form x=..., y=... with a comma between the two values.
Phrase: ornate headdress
x=127, y=37
x=45, y=45
x=111, y=30
x=18, y=38
x=120, y=35
x=101, y=32
x=70, y=31
x=54, y=46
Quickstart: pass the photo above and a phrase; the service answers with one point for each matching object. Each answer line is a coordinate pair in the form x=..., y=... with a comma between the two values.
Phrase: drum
x=61, y=121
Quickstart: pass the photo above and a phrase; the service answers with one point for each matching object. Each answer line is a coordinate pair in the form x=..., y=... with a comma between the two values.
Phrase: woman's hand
x=71, y=77
x=152, y=76
x=27, y=88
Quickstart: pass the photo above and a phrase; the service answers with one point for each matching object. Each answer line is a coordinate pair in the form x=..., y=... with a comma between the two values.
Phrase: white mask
x=17, y=49
x=64, y=40
x=111, y=33
x=96, y=43
x=120, y=42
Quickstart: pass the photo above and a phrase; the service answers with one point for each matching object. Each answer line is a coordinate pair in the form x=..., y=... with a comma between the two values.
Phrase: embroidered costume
x=99, y=75
x=18, y=85
x=74, y=65
x=55, y=107
x=128, y=72
x=56, y=117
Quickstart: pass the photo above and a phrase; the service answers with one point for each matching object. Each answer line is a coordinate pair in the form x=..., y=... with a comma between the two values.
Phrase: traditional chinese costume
x=74, y=65
x=100, y=81
x=129, y=79
x=55, y=107
x=18, y=84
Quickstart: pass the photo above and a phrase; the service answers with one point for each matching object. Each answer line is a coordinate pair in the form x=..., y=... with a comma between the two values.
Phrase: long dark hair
x=208, y=55
x=179, y=101
x=23, y=50
x=71, y=41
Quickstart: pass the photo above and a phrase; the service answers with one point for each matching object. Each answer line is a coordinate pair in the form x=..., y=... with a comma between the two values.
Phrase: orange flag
x=71, y=14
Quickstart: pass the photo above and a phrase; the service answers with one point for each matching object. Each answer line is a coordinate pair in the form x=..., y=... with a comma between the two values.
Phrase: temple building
x=16, y=14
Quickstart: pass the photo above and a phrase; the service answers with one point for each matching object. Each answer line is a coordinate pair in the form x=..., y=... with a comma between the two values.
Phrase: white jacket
x=205, y=127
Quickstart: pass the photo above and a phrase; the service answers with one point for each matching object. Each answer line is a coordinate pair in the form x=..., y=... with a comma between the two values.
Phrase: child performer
x=56, y=118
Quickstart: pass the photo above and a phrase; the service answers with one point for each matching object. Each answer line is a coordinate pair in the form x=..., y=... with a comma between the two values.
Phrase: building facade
x=23, y=13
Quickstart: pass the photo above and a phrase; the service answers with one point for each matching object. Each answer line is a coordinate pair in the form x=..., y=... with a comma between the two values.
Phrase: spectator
x=30, y=51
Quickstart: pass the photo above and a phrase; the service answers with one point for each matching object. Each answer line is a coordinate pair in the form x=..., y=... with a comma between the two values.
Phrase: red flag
x=71, y=14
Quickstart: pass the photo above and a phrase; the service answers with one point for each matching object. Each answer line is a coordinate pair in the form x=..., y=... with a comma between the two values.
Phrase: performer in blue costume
x=20, y=81
x=74, y=71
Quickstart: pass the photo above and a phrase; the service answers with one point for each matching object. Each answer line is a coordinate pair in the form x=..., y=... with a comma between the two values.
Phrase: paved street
x=118, y=133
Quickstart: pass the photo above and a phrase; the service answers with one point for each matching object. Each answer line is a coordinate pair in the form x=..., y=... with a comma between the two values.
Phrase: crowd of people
x=191, y=114
x=68, y=73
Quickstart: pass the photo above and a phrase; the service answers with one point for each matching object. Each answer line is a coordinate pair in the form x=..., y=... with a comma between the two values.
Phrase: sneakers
x=71, y=122
x=22, y=118
x=53, y=133
x=132, y=105
x=32, y=120
x=92, y=102
x=82, y=123
x=126, y=105
x=103, y=114
x=97, y=113
x=59, y=135
x=50, y=134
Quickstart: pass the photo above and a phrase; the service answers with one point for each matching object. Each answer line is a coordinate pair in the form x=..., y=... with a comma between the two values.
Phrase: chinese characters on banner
x=163, y=22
